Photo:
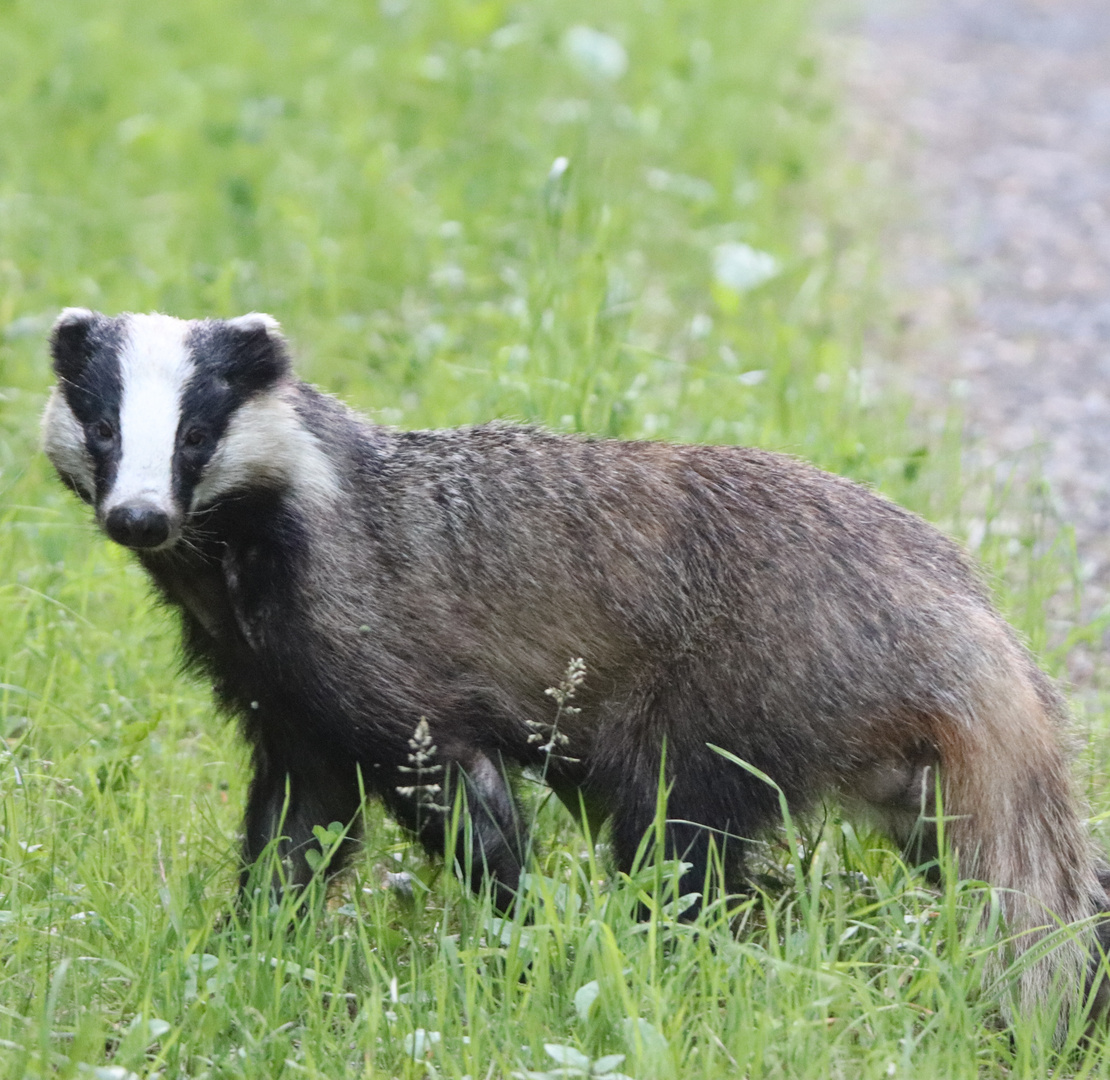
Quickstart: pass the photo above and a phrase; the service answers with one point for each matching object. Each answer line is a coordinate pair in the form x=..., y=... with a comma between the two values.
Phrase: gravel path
x=997, y=112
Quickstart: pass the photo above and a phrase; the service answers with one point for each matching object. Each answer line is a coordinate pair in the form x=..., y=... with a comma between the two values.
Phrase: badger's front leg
x=485, y=839
x=285, y=801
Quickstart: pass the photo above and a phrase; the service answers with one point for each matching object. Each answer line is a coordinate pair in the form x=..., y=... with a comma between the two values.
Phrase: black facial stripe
x=231, y=367
x=207, y=403
x=93, y=390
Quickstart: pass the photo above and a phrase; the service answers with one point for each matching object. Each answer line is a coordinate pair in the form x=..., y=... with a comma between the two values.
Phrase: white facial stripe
x=266, y=445
x=63, y=439
x=155, y=367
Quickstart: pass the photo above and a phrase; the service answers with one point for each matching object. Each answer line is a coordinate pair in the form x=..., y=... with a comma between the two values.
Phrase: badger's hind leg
x=712, y=812
x=490, y=821
x=898, y=796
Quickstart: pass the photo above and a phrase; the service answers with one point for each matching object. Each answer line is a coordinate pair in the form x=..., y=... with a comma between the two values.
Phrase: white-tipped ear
x=74, y=316
x=259, y=354
x=255, y=321
x=70, y=340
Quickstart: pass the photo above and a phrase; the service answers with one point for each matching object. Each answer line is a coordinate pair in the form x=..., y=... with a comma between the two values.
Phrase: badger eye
x=194, y=437
x=104, y=430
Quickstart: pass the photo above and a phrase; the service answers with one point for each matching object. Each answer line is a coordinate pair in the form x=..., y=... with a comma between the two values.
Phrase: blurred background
x=995, y=117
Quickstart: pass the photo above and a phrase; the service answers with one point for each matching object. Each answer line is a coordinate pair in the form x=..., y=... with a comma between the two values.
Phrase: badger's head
x=155, y=418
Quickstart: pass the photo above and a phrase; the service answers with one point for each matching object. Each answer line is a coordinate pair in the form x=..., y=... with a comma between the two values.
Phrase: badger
x=362, y=598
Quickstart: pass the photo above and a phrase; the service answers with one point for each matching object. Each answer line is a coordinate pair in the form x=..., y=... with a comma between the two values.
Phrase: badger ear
x=71, y=341
x=260, y=355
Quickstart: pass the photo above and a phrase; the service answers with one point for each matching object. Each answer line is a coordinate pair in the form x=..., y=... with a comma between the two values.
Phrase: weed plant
x=627, y=219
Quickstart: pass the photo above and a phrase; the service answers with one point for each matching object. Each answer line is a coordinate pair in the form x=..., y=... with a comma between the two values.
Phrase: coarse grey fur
x=339, y=581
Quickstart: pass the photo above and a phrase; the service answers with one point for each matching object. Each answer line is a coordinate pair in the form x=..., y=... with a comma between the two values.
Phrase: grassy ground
x=459, y=210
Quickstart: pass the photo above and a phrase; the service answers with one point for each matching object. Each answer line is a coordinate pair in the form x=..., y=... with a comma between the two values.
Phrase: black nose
x=137, y=525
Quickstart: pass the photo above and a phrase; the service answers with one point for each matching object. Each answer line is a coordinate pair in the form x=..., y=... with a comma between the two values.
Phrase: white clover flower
x=594, y=53
x=741, y=267
x=419, y=1043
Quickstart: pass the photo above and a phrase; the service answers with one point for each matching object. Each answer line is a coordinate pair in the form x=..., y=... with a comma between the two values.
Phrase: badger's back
x=479, y=560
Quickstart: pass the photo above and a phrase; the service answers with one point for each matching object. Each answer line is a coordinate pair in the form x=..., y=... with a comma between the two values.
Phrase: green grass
x=380, y=177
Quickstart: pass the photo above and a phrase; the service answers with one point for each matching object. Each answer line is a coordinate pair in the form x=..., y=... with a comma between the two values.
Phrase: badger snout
x=138, y=525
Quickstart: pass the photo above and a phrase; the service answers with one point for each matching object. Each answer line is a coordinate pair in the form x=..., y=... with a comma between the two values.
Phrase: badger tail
x=1011, y=819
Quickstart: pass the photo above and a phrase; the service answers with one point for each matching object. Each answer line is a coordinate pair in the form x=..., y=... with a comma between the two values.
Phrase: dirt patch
x=996, y=116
